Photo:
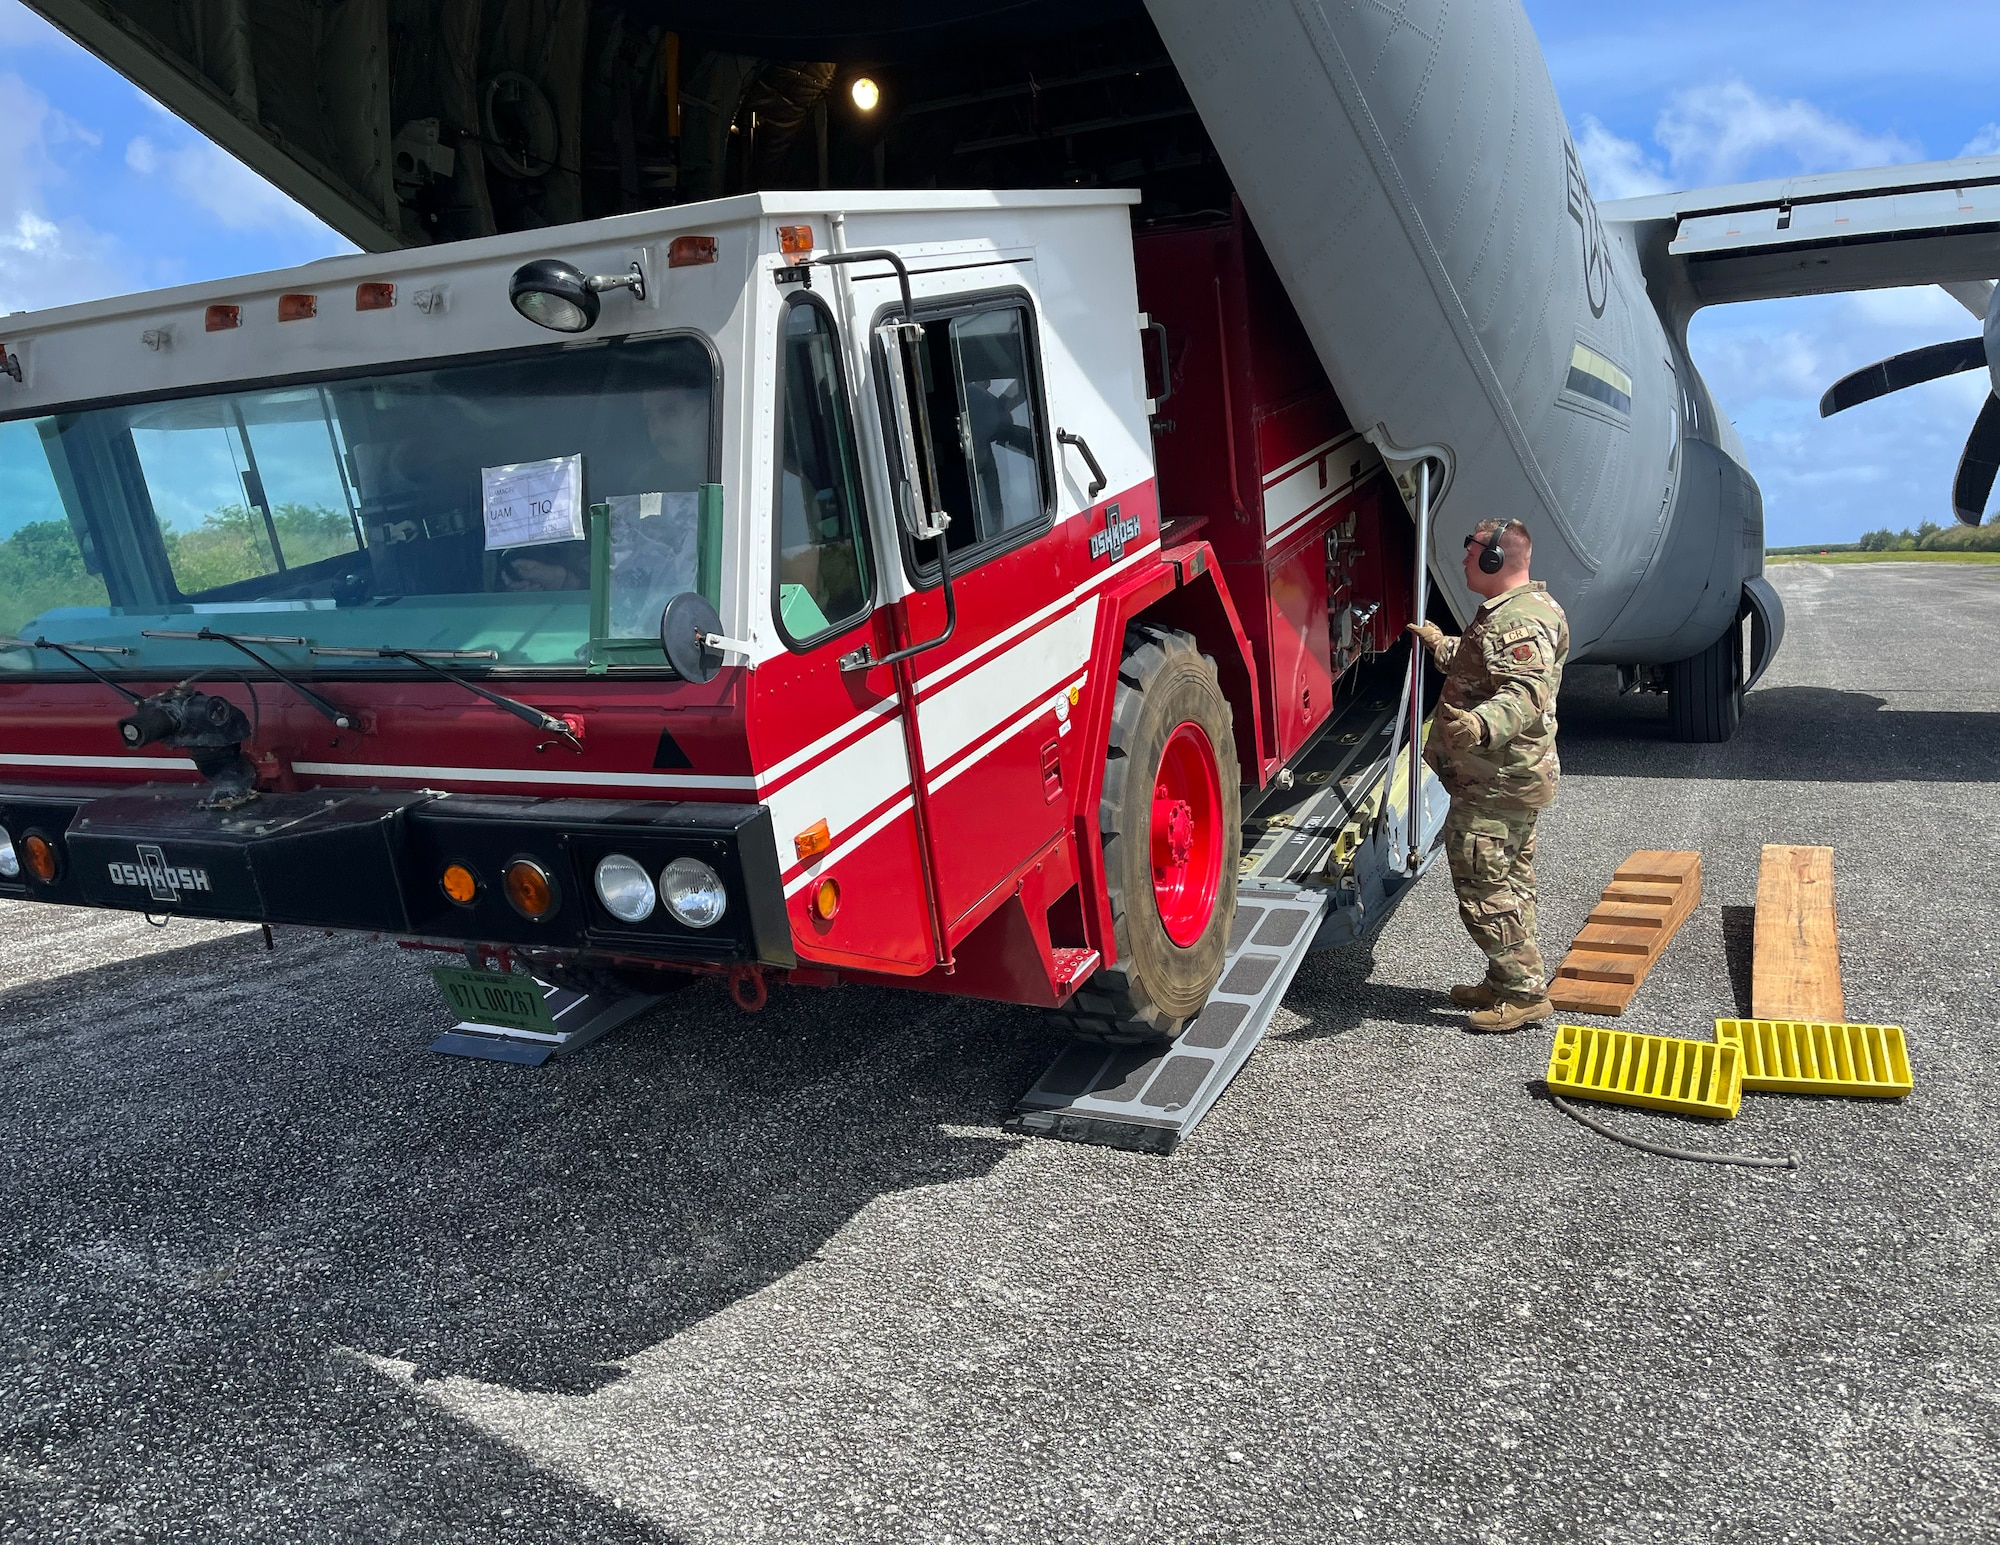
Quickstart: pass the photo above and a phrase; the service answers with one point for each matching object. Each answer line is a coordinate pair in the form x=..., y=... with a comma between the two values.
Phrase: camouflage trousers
x=1492, y=858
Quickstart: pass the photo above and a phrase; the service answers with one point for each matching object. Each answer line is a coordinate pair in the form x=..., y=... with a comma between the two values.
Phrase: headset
x=1491, y=559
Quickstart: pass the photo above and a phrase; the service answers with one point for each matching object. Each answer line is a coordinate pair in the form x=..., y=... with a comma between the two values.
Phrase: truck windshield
x=436, y=508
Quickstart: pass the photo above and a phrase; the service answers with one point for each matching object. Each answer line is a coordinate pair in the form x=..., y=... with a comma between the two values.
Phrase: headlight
x=625, y=888
x=10, y=861
x=693, y=892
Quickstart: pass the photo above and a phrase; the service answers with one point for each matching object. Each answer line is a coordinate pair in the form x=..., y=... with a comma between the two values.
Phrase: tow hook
x=747, y=988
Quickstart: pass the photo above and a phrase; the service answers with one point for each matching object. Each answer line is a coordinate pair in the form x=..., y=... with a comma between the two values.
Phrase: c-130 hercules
x=1407, y=166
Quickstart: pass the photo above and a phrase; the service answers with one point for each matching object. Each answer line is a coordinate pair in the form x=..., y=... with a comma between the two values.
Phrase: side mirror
x=916, y=485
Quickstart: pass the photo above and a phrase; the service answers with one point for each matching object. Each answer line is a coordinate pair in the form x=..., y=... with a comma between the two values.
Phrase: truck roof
x=140, y=344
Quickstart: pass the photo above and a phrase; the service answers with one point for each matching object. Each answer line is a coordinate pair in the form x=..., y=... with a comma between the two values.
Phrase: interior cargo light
x=690, y=251
x=459, y=884
x=296, y=308
x=219, y=319
x=826, y=899
x=529, y=889
x=865, y=93
x=693, y=892
x=561, y=297
x=374, y=296
x=795, y=240
x=625, y=888
x=10, y=861
x=39, y=858
x=813, y=841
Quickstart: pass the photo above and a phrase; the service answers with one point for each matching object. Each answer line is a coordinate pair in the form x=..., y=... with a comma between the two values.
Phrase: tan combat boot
x=1478, y=996
x=1504, y=1017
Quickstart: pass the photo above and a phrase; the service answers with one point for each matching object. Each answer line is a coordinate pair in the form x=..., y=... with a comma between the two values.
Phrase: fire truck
x=924, y=589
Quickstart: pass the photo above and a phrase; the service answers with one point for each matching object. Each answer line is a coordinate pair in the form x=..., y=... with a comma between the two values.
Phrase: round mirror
x=553, y=294
x=686, y=616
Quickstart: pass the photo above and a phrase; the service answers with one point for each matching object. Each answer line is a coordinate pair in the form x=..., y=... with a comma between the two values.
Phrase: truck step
x=1149, y=1098
x=581, y=1017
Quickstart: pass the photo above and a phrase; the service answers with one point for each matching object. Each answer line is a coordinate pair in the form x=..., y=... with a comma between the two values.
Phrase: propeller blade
x=1977, y=465
x=1910, y=368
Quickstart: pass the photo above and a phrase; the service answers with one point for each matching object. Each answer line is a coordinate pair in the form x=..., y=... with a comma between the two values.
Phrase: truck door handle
x=1097, y=477
x=1159, y=331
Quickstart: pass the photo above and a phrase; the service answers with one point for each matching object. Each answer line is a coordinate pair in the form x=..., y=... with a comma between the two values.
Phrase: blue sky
x=102, y=192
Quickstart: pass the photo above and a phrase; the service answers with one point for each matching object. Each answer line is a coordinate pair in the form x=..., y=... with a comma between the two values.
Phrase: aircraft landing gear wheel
x=1705, y=691
x=1172, y=825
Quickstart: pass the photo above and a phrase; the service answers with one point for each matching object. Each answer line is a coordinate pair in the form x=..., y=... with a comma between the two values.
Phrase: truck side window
x=822, y=564
x=981, y=395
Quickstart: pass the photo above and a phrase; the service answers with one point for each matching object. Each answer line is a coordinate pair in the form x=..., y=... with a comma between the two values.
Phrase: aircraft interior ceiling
x=405, y=122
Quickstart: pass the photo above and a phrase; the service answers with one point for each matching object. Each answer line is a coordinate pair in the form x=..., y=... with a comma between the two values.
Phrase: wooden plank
x=1649, y=897
x=1795, y=963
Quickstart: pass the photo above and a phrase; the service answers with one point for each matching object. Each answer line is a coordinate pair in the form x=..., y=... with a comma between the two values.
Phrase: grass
x=1948, y=556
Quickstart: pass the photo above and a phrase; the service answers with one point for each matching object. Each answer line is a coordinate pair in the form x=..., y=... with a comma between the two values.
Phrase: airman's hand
x=1431, y=634
x=1459, y=729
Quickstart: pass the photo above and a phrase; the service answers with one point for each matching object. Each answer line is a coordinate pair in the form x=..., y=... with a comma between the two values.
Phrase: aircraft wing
x=1937, y=222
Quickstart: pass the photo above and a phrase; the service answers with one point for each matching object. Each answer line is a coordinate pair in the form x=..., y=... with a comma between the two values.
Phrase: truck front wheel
x=1171, y=820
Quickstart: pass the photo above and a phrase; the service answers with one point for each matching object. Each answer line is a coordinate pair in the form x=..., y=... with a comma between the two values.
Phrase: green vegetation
x=1927, y=541
x=1854, y=555
x=41, y=566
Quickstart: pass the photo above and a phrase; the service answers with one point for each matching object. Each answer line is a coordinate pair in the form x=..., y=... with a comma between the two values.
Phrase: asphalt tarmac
x=272, y=1272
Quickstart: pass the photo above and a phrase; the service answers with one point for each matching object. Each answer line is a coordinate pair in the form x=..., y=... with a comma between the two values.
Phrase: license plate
x=505, y=999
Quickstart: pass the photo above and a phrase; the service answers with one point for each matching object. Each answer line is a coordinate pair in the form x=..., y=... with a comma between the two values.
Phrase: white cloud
x=43, y=261
x=1985, y=143
x=211, y=179
x=1617, y=168
x=1729, y=131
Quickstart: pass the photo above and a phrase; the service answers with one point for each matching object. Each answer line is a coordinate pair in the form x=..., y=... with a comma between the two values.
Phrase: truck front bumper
x=373, y=861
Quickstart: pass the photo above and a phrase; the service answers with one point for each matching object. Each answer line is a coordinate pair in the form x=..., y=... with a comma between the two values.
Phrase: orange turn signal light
x=826, y=899
x=459, y=884
x=687, y=251
x=219, y=319
x=374, y=296
x=795, y=240
x=39, y=858
x=529, y=889
x=296, y=308
x=813, y=841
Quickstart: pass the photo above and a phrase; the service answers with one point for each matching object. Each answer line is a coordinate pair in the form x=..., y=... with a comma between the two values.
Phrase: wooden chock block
x=1795, y=966
x=1648, y=898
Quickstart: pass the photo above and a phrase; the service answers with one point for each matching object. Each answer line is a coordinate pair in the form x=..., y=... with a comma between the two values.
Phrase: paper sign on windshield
x=532, y=502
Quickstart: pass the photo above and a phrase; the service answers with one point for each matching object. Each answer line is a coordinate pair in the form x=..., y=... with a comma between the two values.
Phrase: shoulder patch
x=1524, y=652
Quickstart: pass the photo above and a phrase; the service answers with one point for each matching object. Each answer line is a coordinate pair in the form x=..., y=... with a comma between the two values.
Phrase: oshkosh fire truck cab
x=853, y=585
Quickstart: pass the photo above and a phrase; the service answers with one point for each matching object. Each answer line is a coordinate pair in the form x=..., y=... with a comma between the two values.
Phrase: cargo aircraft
x=1407, y=167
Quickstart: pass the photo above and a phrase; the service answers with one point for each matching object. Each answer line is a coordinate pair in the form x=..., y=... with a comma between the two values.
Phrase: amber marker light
x=296, y=308
x=689, y=251
x=795, y=240
x=459, y=884
x=529, y=889
x=219, y=319
x=39, y=858
x=374, y=296
x=813, y=841
x=826, y=899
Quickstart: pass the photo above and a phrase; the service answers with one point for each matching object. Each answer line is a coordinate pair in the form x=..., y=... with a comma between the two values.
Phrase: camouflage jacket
x=1506, y=670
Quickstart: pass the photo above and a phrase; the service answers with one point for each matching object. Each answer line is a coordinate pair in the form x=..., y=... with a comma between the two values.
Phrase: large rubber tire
x=1165, y=686
x=1705, y=691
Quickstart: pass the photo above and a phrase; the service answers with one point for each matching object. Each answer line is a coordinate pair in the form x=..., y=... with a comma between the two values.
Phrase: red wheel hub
x=1187, y=835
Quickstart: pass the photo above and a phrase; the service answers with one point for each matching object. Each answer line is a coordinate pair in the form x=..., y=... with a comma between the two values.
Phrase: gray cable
x=1747, y=1160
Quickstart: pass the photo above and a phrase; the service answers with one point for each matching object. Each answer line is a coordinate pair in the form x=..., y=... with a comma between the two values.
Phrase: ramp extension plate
x=1796, y=1057
x=1695, y=1078
x=1149, y=1098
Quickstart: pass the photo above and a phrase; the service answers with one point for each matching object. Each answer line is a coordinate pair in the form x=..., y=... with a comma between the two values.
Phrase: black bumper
x=371, y=860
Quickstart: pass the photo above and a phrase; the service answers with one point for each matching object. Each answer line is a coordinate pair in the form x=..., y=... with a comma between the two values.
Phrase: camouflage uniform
x=1505, y=671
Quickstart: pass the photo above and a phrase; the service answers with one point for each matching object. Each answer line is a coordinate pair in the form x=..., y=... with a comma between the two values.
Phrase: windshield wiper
x=342, y=719
x=548, y=724
x=70, y=652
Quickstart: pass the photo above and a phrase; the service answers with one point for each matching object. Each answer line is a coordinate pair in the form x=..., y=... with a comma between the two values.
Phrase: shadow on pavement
x=1789, y=733
x=1334, y=990
x=225, y=1168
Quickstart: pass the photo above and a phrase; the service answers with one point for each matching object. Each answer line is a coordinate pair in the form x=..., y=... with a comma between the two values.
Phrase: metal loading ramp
x=1149, y=1098
x=1316, y=874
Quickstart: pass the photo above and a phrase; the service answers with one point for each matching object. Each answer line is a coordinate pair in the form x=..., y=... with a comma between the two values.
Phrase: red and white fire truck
x=929, y=589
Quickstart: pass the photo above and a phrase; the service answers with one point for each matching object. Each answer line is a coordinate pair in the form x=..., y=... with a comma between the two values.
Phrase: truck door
x=829, y=745
x=993, y=705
